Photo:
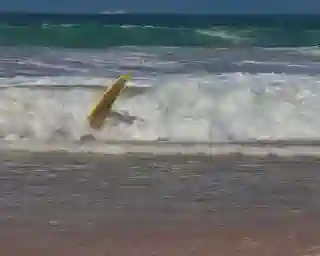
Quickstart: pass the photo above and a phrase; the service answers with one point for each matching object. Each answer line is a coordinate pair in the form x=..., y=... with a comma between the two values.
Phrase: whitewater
x=185, y=98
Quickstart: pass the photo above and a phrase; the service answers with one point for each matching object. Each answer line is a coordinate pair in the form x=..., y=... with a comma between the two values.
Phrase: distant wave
x=105, y=30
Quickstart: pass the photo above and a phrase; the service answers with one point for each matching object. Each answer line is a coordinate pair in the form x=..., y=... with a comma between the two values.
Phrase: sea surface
x=223, y=155
x=195, y=78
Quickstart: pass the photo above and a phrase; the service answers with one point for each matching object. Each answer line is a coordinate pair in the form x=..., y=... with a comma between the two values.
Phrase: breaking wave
x=184, y=108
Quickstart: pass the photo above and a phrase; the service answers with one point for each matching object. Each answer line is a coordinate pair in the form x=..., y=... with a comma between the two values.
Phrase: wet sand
x=89, y=204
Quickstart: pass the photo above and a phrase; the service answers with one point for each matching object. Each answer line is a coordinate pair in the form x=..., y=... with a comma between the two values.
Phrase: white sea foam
x=179, y=107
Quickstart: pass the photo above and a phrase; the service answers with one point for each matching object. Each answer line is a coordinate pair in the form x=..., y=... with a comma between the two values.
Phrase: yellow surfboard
x=103, y=108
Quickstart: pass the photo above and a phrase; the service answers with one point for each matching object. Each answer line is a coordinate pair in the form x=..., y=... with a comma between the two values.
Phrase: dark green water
x=100, y=31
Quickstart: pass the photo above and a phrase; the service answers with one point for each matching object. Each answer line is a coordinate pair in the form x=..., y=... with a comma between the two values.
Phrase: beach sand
x=88, y=204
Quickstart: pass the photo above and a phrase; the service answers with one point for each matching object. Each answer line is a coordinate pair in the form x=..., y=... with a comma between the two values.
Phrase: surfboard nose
x=126, y=77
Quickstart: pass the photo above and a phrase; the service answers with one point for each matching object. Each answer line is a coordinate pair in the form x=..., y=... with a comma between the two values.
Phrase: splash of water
x=184, y=107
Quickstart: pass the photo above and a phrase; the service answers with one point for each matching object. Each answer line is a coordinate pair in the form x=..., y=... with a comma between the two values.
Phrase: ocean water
x=239, y=95
x=199, y=82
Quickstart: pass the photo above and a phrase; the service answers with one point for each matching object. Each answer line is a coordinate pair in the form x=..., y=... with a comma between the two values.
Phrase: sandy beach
x=87, y=204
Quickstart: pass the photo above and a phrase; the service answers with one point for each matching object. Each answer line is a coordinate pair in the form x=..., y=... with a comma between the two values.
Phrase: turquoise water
x=99, y=31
